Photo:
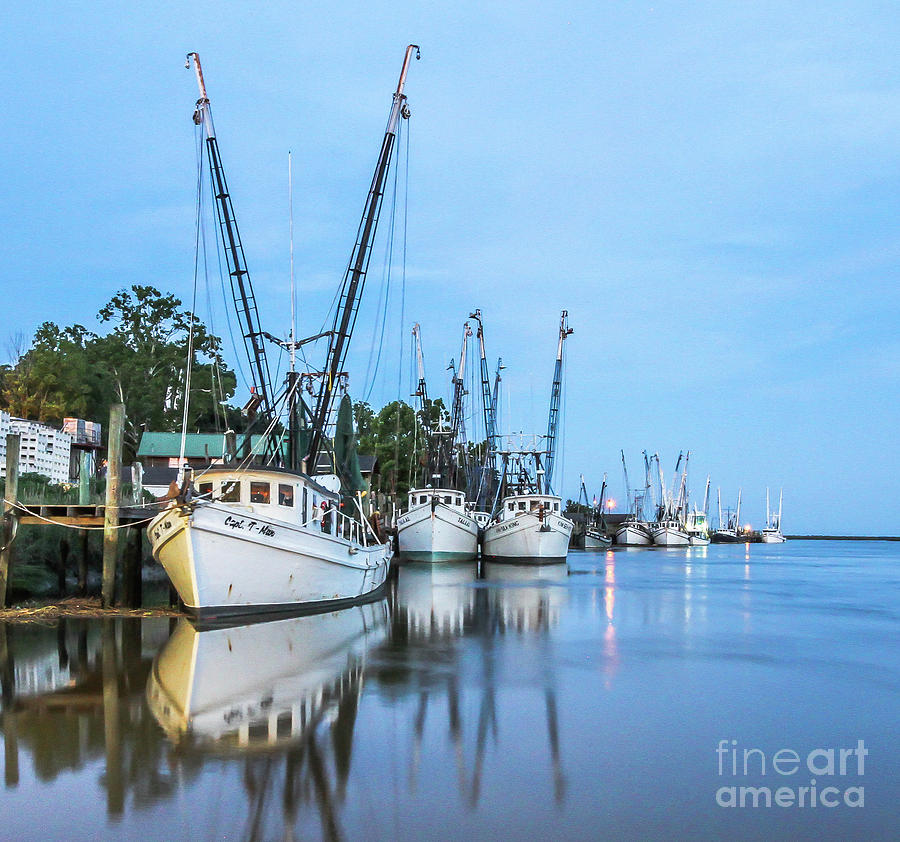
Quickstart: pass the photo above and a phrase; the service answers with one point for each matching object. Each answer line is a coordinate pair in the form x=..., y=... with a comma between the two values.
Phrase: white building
x=42, y=449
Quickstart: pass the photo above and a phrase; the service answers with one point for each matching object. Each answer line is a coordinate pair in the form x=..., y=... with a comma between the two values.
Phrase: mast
x=780, y=499
x=459, y=390
x=457, y=421
x=355, y=276
x=706, y=497
x=737, y=516
x=241, y=287
x=719, y=497
x=488, y=401
x=627, y=485
x=555, y=391
x=767, y=508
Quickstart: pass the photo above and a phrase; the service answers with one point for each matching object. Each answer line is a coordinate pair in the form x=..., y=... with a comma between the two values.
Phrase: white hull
x=699, y=540
x=442, y=534
x=772, y=537
x=633, y=536
x=669, y=536
x=226, y=560
x=596, y=540
x=525, y=538
x=259, y=685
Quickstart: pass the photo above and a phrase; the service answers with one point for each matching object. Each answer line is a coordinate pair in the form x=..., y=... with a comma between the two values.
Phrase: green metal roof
x=196, y=445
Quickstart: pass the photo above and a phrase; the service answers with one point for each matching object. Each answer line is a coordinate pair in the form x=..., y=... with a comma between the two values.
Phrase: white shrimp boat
x=266, y=540
x=772, y=533
x=437, y=527
x=670, y=533
x=634, y=533
x=528, y=528
x=267, y=537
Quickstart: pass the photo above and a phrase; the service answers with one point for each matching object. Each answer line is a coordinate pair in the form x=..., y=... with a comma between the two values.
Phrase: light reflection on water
x=494, y=701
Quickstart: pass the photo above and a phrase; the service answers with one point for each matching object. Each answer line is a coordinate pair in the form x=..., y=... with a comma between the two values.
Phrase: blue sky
x=710, y=189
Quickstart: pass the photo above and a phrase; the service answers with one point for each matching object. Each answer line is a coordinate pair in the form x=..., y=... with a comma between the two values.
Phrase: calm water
x=538, y=702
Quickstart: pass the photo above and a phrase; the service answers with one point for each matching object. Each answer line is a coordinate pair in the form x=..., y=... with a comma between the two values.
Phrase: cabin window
x=285, y=495
x=423, y=499
x=512, y=507
x=447, y=499
x=260, y=492
x=206, y=489
x=305, y=504
x=522, y=506
x=556, y=507
x=231, y=492
x=459, y=501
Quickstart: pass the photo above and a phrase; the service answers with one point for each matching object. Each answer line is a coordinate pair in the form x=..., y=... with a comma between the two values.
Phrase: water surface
x=577, y=702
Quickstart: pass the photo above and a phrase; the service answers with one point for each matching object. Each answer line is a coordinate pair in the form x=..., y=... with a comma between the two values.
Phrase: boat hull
x=527, y=539
x=596, y=540
x=670, y=537
x=439, y=534
x=699, y=541
x=727, y=538
x=633, y=536
x=229, y=561
x=772, y=537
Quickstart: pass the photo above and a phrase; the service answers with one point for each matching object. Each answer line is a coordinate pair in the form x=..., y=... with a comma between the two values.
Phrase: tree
x=140, y=362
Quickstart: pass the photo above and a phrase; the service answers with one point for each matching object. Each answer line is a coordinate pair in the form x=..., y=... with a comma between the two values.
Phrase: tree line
x=138, y=357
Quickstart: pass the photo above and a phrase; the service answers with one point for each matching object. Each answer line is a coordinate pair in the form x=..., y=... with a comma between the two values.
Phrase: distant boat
x=772, y=533
x=595, y=534
x=697, y=524
x=729, y=531
x=634, y=531
x=669, y=529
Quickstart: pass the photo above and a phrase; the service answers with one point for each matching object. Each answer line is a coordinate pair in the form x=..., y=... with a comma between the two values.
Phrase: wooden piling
x=111, y=521
x=131, y=578
x=9, y=511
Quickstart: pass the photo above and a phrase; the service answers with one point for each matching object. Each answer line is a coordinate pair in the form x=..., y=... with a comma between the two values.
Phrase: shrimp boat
x=595, y=534
x=670, y=529
x=439, y=523
x=267, y=533
x=634, y=531
x=697, y=522
x=529, y=526
x=772, y=533
x=729, y=531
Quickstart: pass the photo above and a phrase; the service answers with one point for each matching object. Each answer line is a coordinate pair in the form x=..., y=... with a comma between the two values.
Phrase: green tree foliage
x=140, y=361
x=394, y=436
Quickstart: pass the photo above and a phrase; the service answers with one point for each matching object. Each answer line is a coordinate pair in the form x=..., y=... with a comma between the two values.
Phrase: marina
x=492, y=504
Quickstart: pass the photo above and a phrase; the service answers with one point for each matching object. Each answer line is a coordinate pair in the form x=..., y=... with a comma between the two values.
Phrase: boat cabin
x=280, y=495
x=448, y=496
x=537, y=504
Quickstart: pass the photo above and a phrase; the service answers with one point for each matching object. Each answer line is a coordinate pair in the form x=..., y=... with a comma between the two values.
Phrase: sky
x=710, y=189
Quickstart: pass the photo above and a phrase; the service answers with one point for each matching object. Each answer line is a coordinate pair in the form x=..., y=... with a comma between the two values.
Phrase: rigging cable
x=186, y=400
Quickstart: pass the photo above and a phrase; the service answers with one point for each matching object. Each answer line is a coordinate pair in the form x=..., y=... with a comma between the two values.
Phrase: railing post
x=111, y=511
x=9, y=512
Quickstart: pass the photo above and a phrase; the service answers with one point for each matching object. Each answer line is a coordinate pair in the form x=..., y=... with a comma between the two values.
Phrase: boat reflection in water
x=462, y=635
x=261, y=685
x=528, y=599
x=436, y=598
